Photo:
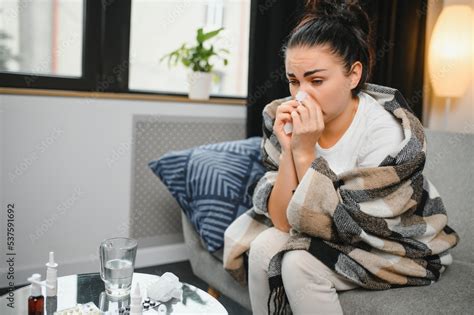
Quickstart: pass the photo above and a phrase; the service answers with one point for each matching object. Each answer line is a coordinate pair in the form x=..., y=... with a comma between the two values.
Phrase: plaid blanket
x=381, y=227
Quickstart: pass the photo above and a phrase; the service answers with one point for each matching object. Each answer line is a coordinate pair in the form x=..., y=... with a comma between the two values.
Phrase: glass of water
x=117, y=261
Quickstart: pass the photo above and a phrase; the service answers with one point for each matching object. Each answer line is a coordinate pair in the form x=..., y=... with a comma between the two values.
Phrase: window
x=49, y=44
x=41, y=37
x=160, y=26
x=116, y=45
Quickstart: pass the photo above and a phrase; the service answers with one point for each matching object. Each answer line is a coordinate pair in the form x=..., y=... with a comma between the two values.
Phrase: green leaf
x=186, y=62
x=211, y=34
x=200, y=35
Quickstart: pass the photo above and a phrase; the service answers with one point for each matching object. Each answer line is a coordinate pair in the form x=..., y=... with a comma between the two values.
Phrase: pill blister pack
x=81, y=309
x=150, y=306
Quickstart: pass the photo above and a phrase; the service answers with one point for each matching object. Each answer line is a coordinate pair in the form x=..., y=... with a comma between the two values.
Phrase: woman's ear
x=355, y=74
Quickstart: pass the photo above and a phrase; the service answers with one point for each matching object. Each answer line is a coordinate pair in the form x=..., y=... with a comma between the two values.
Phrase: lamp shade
x=451, y=51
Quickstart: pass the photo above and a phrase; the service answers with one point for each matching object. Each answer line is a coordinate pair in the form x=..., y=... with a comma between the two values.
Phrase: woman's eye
x=293, y=82
x=317, y=82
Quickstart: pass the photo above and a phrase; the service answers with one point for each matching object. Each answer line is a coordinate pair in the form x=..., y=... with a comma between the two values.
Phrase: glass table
x=89, y=287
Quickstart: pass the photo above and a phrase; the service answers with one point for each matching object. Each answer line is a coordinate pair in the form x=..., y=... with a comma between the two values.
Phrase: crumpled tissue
x=165, y=288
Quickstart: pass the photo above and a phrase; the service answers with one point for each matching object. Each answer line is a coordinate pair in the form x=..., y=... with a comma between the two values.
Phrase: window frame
x=90, y=61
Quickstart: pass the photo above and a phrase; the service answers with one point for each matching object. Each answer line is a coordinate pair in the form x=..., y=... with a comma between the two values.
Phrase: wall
x=54, y=155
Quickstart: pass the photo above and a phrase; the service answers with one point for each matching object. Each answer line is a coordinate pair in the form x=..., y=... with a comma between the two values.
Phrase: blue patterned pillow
x=212, y=183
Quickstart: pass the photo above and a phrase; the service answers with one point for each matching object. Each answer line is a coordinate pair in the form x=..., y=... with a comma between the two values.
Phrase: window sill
x=122, y=96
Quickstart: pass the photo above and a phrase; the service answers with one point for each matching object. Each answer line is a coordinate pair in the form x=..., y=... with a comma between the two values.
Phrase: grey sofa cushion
x=210, y=269
x=219, y=254
x=452, y=294
x=450, y=167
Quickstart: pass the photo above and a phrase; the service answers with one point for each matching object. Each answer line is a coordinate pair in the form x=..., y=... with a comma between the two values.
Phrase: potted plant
x=199, y=59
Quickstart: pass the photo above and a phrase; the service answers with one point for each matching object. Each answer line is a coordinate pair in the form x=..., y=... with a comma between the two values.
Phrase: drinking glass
x=117, y=262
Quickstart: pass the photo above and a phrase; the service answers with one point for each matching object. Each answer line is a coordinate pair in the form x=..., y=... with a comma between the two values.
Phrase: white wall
x=461, y=115
x=54, y=154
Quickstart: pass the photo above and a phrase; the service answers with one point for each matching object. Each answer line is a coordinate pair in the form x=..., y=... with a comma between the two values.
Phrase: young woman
x=329, y=57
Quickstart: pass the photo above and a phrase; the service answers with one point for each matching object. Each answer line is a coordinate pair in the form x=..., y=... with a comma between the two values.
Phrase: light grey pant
x=309, y=284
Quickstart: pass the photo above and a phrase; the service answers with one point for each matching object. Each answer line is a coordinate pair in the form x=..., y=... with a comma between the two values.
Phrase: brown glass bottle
x=36, y=305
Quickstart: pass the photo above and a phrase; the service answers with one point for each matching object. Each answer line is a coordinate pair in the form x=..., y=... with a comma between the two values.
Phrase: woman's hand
x=283, y=116
x=308, y=125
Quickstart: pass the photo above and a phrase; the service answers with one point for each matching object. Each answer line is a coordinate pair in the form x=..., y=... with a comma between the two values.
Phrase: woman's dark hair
x=343, y=26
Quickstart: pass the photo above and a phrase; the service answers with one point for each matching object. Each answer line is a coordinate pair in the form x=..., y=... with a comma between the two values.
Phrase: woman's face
x=322, y=75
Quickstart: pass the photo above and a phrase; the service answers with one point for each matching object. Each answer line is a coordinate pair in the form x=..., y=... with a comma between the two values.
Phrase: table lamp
x=450, y=53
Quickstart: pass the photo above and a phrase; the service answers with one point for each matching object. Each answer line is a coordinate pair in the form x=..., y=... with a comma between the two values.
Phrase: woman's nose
x=305, y=87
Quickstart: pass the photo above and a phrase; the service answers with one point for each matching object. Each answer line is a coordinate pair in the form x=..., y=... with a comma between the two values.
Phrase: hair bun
x=347, y=12
x=359, y=16
x=322, y=8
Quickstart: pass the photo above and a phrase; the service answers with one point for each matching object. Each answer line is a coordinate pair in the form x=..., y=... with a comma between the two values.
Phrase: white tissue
x=165, y=288
x=288, y=128
x=300, y=96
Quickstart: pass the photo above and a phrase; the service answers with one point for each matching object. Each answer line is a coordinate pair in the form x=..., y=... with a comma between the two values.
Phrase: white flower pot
x=199, y=85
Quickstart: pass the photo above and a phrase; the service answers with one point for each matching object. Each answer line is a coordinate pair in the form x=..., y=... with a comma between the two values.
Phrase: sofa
x=450, y=168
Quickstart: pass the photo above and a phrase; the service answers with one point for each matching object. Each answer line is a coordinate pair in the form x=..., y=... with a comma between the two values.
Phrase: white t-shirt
x=373, y=134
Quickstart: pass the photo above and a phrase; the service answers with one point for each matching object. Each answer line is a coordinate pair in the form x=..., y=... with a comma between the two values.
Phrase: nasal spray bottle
x=52, y=276
x=36, y=299
x=136, y=301
x=51, y=280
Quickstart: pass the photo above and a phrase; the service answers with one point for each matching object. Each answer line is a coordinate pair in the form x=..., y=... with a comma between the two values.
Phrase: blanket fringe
x=280, y=301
